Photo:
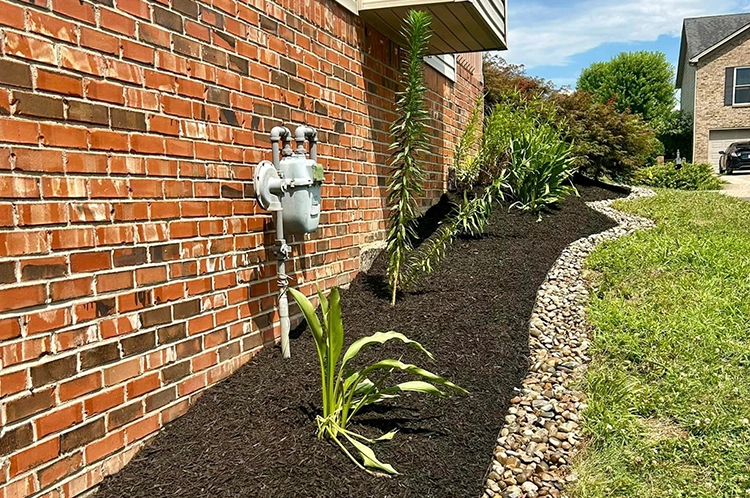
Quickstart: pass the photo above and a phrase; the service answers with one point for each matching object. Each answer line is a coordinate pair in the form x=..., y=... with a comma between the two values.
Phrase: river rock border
x=542, y=434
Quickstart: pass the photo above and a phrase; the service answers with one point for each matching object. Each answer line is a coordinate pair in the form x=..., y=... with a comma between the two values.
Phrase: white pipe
x=282, y=251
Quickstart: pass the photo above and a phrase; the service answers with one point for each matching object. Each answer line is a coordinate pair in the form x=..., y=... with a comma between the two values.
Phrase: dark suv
x=737, y=156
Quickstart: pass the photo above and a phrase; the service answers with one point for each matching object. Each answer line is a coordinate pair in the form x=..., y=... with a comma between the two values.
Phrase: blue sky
x=555, y=39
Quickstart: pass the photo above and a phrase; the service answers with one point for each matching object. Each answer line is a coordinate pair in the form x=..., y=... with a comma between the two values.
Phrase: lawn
x=669, y=386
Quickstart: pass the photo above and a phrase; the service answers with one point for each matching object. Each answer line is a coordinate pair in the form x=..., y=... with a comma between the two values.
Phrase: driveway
x=739, y=185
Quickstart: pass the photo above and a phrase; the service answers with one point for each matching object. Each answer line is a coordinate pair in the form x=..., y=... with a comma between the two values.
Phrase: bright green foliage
x=466, y=166
x=409, y=143
x=346, y=391
x=689, y=177
x=541, y=168
x=676, y=133
x=669, y=387
x=642, y=82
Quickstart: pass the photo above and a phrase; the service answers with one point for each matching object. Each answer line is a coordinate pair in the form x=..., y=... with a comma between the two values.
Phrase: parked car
x=737, y=156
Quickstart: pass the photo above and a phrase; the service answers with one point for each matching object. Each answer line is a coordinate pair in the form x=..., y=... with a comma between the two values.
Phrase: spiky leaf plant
x=346, y=390
x=409, y=143
x=466, y=165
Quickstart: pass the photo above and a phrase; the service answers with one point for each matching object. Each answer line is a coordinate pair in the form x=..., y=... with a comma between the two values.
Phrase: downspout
x=281, y=249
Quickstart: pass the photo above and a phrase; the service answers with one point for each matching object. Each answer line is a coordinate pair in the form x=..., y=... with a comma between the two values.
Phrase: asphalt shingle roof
x=702, y=33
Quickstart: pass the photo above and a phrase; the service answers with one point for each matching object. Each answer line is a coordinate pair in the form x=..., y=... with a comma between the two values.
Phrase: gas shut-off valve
x=289, y=187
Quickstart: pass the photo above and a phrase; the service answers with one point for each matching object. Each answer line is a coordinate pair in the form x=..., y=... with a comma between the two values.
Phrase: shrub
x=409, y=143
x=346, y=391
x=541, y=167
x=465, y=168
x=606, y=142
x=692, y=176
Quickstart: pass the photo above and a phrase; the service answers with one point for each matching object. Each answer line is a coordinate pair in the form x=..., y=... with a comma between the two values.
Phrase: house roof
x=701, y=35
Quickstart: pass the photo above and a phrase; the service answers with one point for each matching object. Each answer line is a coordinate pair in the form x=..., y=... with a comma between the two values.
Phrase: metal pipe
x=304, y=132
x=282, y=249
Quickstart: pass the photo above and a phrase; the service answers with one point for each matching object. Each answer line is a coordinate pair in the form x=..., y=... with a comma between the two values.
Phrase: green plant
x=691, y=176
x=640, y=82
x=541, y=167
x=346, y=391
x=409, y=142
x=605, y=142
x=466, y=166
x=469, y=218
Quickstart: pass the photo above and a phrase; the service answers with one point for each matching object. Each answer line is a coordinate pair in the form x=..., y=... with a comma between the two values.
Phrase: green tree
x=641, y=82
x=409, y=143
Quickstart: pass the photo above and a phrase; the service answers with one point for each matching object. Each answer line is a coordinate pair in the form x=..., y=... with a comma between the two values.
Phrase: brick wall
x=710, y=112
x=133, y=266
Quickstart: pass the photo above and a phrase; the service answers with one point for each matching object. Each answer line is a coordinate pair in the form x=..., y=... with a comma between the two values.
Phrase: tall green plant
x=409, y=143
x=346, y=391
x=466, y=165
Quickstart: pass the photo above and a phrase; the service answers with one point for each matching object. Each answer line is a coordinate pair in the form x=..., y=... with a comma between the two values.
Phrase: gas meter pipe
x=282, y=250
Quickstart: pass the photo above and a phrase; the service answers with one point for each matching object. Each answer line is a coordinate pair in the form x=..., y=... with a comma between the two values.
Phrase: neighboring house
x=134, y=266
x=714, y=76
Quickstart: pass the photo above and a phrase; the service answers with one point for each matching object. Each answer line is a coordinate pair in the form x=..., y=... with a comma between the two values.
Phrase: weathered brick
x=15, y=439
x=39, y=106
x=52, y=371
x=100, y=355
x=88, y=113
x=161, y=398
x=138, y=343
x=123, y=415
x=128, y=120
x=81, y=435
x=29, y=405
x=172, y=333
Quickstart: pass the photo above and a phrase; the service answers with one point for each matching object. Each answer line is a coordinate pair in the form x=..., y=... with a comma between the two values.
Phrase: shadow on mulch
x=253, y=435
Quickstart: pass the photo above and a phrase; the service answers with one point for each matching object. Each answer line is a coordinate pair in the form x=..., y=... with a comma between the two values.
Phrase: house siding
x=687, y=92
x=135, y=270
x=710, y=112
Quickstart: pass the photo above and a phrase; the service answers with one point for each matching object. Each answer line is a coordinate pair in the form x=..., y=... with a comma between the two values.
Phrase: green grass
x=669, y=385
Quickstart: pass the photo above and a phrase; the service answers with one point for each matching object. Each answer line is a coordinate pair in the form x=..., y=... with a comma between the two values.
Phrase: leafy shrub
x=346, y=391
x=692, y=176
x=541, y=167
x=606, y=142
x=409, y=143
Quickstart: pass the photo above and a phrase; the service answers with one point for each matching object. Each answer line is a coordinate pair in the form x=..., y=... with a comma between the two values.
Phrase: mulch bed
x=253, y=435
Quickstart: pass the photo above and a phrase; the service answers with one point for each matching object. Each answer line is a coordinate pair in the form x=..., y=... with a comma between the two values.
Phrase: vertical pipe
x=282, y=250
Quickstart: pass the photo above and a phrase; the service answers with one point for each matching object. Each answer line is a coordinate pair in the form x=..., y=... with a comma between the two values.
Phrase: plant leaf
x=412, y=369
x=368, y=456
x=419, y=386
x=312, y=319
x=380, y=338
x=335, y=328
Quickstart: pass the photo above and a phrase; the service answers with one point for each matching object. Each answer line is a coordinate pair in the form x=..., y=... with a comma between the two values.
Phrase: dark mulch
x=253, y=435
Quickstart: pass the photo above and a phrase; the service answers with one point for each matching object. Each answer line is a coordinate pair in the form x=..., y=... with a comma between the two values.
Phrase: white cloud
x=549, y=35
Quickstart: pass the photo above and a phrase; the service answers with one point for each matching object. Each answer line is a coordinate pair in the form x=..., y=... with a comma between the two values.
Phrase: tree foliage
x=641, y=82
x=605, y=141
x=409, y=143
x=502, y=78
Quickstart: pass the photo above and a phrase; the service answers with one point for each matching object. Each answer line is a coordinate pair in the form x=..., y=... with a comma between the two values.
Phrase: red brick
x=58, y=135
x=29, y=48
x=10, y=328
x=146, y=144
x=58, y=420
x=90, y=261
x=83, y=62
x=72, y=288
x=142, y=428
x=138, y=8
x=137, y=52
x=60, y=469
x=76, y=388
x=116, y=22
x=124, y=371
x=13, y=383
x=103, y=401
x=64, y=187
x=39, y=160
x=51, y=26
x=16, y=131
x=104, y=91
x=12, y=15
x=59, y=83
x=73, y=238
x=115, y=281
x=44, y=321
x=143, y=385
x=34, y=456
x=101, y=42
x=81, y=11
x=108, y=140
x=85, y=163
x=23, y=242
x=99, y=449
x=42, y=214
x=18, y=187
x=22, y=297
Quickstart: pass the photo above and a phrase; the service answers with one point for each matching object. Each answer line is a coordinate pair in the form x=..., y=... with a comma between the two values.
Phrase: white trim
x=350, y=5
x=717, y=45
x=444, y=64
x=734, y=88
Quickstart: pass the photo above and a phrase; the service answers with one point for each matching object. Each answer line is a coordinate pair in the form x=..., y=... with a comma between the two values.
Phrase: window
x=741, y=85
x=446, y=65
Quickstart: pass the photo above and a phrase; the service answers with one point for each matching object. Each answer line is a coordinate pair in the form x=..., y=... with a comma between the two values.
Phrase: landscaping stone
x=543, y=433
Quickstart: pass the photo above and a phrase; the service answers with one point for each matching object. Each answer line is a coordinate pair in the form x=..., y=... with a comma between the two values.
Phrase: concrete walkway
x=739, y=184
